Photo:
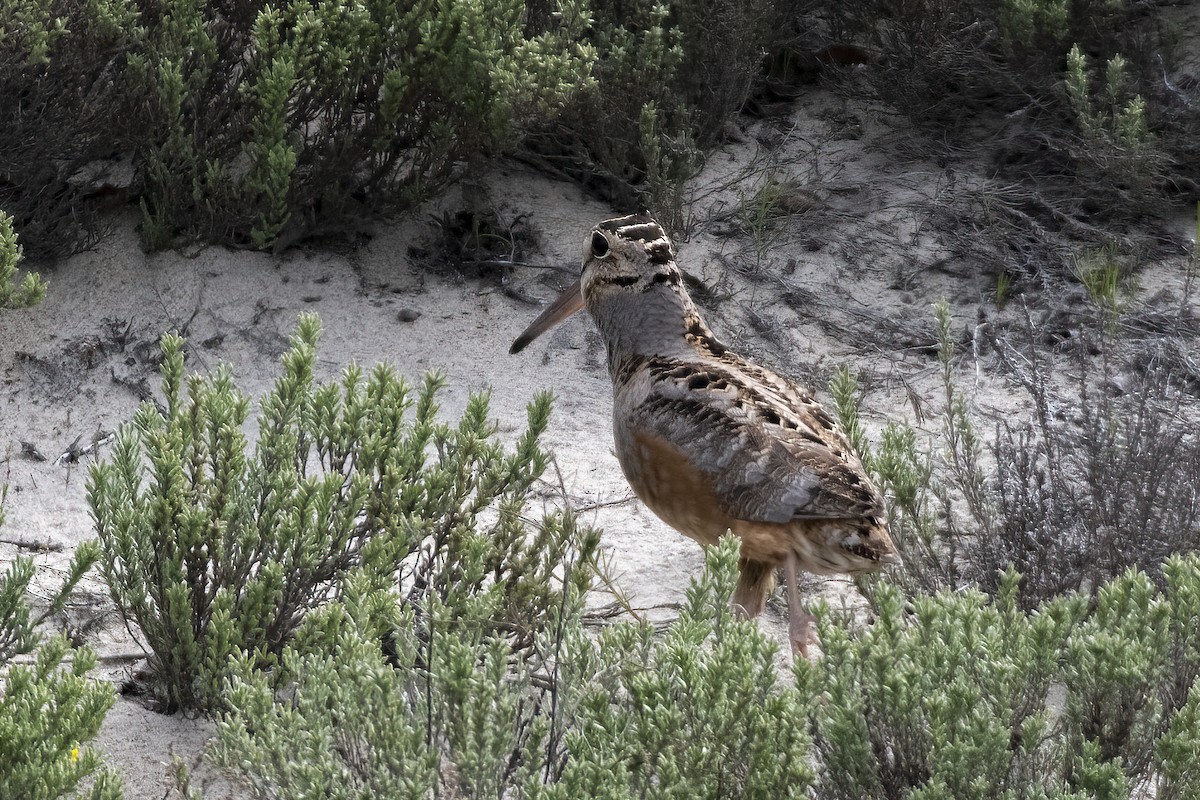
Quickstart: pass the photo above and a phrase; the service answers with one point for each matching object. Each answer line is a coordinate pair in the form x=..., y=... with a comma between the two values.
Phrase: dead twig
x=32, y=544
x=75, y=451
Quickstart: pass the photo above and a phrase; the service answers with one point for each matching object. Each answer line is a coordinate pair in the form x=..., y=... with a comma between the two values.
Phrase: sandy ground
x=848, y=279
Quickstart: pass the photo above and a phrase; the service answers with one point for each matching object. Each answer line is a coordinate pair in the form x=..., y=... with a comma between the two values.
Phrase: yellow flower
x=74, y=753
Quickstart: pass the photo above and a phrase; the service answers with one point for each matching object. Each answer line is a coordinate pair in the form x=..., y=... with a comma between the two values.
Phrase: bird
x=710, y=441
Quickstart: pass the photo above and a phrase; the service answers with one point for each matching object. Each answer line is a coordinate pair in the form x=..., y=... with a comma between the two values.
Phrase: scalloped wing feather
x=774, y=455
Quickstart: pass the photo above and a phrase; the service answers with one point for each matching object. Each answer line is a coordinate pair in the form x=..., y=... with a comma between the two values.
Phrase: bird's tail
x=755, y=581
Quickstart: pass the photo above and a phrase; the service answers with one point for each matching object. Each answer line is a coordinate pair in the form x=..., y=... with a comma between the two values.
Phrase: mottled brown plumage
x=712, y=442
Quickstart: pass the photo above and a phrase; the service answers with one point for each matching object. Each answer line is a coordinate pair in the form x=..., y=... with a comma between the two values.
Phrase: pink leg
x=799, y=620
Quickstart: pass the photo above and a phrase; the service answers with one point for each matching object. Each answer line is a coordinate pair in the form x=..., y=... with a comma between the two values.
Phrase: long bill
x=566, y=304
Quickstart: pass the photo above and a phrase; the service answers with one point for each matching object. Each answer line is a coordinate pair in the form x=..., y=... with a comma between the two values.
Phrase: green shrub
x=1113, y=122
x=958, y=695
x=49, y=709
x=459, y=713
x=258, y=124
x=949, y=704
x=32, y=289
x=273, y=121
x=1179, y=773
x=1027, y=25
x=668, y=77
x=699, y=713
x=1102, y=275
x=350, y=729
x=949, y=695
x=213, y=549
x=1119, y=119
x=18, y=623
x=628, y=136
x=453, y=707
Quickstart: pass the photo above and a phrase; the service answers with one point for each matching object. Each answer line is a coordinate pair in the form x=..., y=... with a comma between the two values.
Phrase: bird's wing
x=772, y=453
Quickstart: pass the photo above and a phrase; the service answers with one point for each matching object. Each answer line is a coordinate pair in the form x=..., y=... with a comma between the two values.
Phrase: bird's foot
x=801, y=632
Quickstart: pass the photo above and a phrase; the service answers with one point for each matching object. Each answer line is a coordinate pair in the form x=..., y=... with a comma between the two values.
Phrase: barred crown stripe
x=615, y=225
x=648, y=232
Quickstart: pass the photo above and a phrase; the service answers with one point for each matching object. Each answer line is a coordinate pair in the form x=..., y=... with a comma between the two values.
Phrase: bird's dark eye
x=599, y=245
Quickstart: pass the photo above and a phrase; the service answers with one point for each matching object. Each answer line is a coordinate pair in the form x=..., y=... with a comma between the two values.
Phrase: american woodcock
x=711, y=442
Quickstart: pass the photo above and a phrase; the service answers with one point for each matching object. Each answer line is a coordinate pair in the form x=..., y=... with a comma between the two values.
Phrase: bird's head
x=628, y=275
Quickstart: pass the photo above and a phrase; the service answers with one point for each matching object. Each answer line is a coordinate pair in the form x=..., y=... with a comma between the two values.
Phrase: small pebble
x=408, y=315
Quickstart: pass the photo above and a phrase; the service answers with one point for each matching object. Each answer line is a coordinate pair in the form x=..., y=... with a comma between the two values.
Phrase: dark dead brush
x=1075, y=108
x=949, y=65
x=61, y=114
x=723, y=47
x=1098, y=481
x=1100, y=477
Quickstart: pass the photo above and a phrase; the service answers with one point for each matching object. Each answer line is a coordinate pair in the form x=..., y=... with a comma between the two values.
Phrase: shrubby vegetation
x=948, y=695
x=258, y=125
x=1069, y=503
x=31, y=288
x=362, y=600
x=462, y=714
x=251, y=122
x=1072, y=105
x=959, y=694
x=49, y=708
x=358, y=591
x=699, y=712
x=1039, y=641
x=216, y=549
x=669, y=76
x=269, y=121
